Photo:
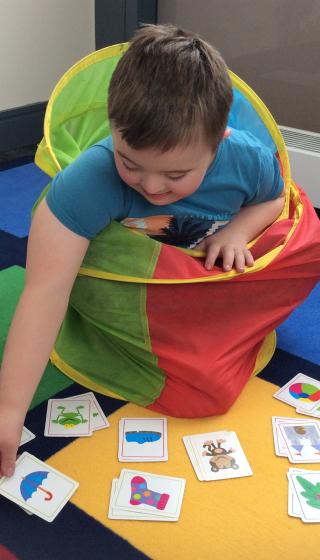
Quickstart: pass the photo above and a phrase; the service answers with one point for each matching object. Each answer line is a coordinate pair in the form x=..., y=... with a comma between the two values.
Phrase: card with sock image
x=302, y=441
x=115, y=513
x=148, y=494
x=143, y=439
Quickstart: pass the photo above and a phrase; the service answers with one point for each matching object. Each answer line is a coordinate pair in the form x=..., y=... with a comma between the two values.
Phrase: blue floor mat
x=300, y=333
x=19, y=188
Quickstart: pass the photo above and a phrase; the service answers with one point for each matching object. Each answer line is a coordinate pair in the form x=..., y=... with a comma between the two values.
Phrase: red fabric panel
x=207, y=335
x=5, y=554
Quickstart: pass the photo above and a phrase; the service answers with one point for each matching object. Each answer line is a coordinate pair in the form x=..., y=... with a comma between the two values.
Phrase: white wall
x=39, y=41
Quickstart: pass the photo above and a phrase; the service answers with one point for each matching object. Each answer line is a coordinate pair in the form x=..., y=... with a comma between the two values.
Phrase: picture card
x=143, y=439
x=280, y=446
x=302, y=441
x=37, y=487
x=98, y=418
x=68, y=418
x=151, y=494
x=26, y=436
x=115, y=513
x=306, y=487
x=301, y=391
x=217, y=455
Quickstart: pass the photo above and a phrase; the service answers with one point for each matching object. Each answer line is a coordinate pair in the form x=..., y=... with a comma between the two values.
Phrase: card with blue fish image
x=143, y=440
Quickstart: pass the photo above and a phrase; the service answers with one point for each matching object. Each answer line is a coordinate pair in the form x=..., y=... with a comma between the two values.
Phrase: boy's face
x=162, y=177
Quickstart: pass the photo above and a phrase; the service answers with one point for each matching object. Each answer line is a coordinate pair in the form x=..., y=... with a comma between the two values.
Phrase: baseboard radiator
x=304, y=154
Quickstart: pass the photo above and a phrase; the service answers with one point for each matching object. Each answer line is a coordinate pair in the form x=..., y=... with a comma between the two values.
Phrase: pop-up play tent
x=146, y=321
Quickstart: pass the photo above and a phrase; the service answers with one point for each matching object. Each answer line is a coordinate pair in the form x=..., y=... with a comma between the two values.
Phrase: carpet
x=245, y=518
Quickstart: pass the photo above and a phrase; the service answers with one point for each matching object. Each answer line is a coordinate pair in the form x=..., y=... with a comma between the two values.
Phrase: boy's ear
x=226, y=133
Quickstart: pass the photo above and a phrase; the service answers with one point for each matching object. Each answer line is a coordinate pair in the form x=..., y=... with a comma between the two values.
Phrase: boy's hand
x=11, y=424
x=230, y=248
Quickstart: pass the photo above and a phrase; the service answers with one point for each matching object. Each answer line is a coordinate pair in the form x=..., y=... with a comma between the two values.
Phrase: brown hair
x=168, y=86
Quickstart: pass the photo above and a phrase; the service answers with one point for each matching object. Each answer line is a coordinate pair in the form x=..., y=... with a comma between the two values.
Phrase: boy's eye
x=176, y=178
x=129, y=167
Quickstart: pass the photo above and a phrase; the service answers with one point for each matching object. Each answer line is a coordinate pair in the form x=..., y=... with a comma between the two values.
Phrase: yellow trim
x=80, y=378
x=265, y=353
x=268, y=120
x=265, y=115
x=88, y=60
x=259, y=265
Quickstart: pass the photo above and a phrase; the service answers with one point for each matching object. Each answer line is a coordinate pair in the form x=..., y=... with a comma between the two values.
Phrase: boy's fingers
x=8, y=460
x=248, y=257
x=228, y=258
x=239, y=260
x=211, y=257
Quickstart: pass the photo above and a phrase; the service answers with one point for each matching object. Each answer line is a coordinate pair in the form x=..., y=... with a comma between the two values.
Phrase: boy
x=169, y=157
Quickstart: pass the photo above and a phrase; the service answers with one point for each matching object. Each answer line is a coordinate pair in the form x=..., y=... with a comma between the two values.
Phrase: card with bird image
x=37, y=487
x=279, y=444
x=143, y=440
x=68, y=418
x=302, y=392
x=218, y=454
x=306, y=488
x=149, y=494
x=26, y=436
x=98, y=418
x=302, y=441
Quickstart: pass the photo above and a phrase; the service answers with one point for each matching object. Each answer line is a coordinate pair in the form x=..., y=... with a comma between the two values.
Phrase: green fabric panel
x=11, y=286
x=79, y=112
x=105, y=338
x=120, y=251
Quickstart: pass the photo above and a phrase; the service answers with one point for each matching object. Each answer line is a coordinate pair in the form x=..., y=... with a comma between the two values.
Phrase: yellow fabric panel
x=243, y=518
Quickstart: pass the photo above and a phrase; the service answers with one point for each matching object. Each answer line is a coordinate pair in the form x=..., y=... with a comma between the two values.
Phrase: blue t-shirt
x=88, y=194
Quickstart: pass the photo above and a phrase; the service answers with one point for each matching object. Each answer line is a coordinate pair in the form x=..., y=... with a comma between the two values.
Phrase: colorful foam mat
x=243, y=518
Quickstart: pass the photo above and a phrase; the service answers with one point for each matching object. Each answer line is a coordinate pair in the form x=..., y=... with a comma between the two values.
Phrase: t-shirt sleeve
x=88, y=194
x=269, y=181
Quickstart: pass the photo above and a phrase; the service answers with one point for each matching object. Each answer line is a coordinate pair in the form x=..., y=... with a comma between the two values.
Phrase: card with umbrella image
x=37, y=487
x=68, y=418
x=143, y=439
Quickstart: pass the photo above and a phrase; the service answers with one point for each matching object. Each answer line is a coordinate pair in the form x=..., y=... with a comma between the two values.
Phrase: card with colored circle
x=301, y=391
x=149, y=494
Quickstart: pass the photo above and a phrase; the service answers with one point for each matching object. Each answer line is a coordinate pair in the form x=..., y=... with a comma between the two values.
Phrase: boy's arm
x=54, y=257
x=230, y=242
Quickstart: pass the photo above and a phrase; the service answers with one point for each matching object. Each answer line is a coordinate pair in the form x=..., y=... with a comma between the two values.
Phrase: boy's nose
x=151, y=185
